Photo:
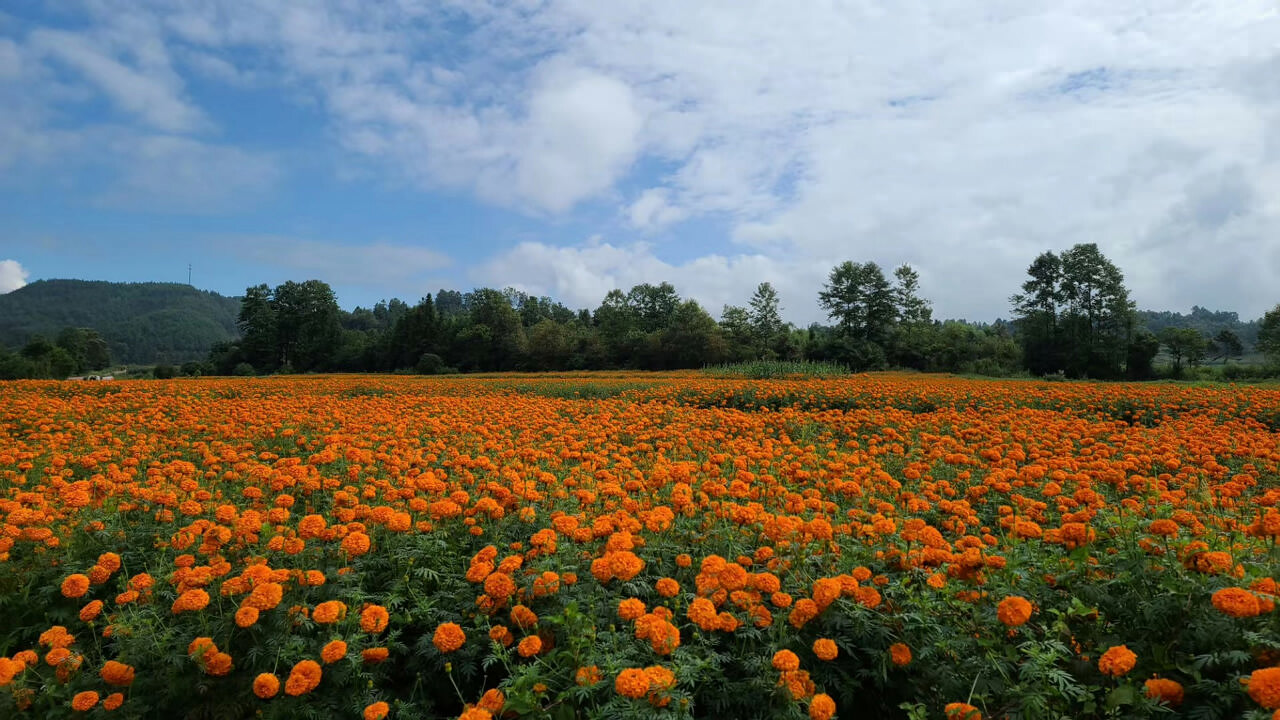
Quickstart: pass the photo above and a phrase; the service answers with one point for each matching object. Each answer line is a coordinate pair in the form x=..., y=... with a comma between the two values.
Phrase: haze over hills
x=142, y=322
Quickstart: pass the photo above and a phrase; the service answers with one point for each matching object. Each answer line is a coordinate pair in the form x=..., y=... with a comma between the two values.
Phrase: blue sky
x=568, y=147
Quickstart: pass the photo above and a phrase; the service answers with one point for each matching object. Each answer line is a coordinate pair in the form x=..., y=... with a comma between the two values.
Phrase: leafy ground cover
x=636, y=546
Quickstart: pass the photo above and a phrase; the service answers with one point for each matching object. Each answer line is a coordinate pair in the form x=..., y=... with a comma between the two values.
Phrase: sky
x=568, y=147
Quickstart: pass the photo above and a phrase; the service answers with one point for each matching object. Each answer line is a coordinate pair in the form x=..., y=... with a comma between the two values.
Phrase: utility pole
x=188, y=273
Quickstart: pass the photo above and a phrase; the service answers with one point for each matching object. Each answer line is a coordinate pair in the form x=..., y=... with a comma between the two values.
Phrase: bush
x=243, y=369
x=164, y=372
x=429, y=364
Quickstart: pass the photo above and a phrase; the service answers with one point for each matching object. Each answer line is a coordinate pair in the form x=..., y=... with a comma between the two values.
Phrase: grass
x=769, y=369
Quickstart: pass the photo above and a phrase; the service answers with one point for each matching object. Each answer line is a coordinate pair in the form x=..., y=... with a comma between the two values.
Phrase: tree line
x=1072, y=317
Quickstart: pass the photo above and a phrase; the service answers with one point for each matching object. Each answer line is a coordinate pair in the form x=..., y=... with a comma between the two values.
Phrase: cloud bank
x=963, y=137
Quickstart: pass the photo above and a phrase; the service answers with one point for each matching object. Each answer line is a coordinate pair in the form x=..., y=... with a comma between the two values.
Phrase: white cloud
x=388, y=267
x=581, y=132
x=163, y=173
x=653, y=210
x=964, y=137
x=12, y=276
x=153, y=96
x=580, y=276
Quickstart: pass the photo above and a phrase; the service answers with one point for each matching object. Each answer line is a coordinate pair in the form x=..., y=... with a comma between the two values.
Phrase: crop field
x=638, y=546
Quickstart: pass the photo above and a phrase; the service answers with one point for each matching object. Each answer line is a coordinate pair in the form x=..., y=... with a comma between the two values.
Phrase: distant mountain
x=142, y=322
x=1208, y=322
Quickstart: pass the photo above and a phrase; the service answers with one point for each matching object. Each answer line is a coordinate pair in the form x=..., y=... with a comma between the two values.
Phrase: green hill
x=142, y=322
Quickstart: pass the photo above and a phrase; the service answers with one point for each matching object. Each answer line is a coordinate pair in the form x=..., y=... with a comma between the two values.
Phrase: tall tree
x=257, y=323
x=735, y=323
x=1035, y=310
x=1227, y=345
x=1183, y=344
x=1269, y=335
x=307, y=324
x=653, y=305
x=906, y=294
x=766, y=317
x=1098, y=315
x=861, y=301
x=1074, y=314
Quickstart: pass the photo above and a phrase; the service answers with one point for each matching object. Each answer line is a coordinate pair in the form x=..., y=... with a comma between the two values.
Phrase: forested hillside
x=141, y=322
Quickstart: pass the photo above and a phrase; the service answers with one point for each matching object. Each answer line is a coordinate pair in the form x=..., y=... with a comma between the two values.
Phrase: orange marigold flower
x=1237, y=602
x=530, y=646
x=492, y=700
x=218, y=664
x=266, y=685
x=475, y=714
x=660, y=681
x=501, y=635
x=329, y=612
x=355, y=544
x=373, y=656
x=499, y=586
x=822, y=707
x=376, y=711
x=825, y=649
x=191, y=601
x=523, y=618
x=333, y=651
x=1014, y=610
x=667, y=587
x=1264, y=687
x=630, y=609
x=786, y=660
x=246, y=616
x=900, y=654
x=1164, y=690
x=75, y=586
x=303, y=678
x=961, y=711
x=1117, y=661
x=84, y=701
x=632, y=683
x=112, y=701
x=449, y=637
x=91, y=611
x=57, y=656
x=116, y=673
x=201, y=648
x=586, y=676
x=374, y=618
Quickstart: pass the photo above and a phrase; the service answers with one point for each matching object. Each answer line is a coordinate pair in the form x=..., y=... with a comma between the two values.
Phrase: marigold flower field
x=636, y=546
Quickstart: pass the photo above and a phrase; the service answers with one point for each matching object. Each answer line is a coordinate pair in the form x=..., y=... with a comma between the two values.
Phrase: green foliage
x=1074, y=315
x=769, y=369
x=140, y=322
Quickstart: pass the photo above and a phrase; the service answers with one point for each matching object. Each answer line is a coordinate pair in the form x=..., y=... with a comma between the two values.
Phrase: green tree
x=906, y=295
x=1269, y=335
x=1035, y=310
x=307, y=324
x=653, y=305
x=765, y=315
x=692, y=338
x=1226, y=345
x=1074, y=314
x=1142, y=352
x=915, y=334
x=861, y=301
x=257, y=323
x=550, y=345
x=1183, y=344
x=86, y=347
x=1098, y=316
x=739, y=335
